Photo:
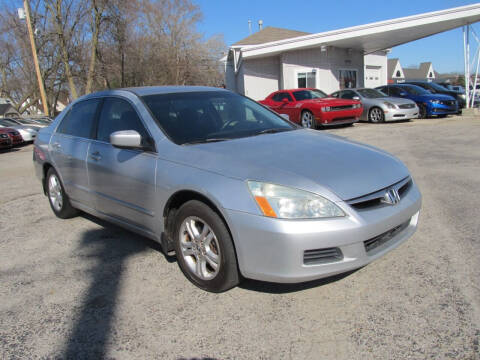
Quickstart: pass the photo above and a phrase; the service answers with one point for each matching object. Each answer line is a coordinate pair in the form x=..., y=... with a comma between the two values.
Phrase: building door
x=372, y=77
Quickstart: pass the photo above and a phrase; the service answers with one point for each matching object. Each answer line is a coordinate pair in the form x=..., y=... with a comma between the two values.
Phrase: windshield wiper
x=208, y=140
x=272, y=131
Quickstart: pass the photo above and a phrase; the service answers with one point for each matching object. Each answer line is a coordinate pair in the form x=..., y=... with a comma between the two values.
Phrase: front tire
x=422, y=112
x=376, y=115
x=57, y=197
x=307, y=120
x=204, y=248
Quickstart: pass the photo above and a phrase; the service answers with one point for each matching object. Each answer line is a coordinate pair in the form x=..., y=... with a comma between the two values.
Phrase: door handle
x=56, y=146
x=96, y=156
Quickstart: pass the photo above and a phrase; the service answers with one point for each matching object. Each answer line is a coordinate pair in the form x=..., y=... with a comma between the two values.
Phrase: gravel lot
x=82, y=288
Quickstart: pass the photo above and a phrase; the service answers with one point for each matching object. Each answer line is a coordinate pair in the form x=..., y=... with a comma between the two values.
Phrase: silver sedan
x=379, y=107
x=28, y=132
x=225, y=184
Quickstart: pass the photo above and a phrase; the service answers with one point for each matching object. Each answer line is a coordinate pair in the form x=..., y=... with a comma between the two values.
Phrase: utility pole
x=43, y=96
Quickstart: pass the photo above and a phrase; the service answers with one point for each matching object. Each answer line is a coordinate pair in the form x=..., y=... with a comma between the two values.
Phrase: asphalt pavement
x=82, y=288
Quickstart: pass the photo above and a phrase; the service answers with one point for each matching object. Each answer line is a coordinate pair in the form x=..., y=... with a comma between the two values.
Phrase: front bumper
x=439, y=109
x=338, y=117
x=401, y=114
x=5, y=143
x=274, y=250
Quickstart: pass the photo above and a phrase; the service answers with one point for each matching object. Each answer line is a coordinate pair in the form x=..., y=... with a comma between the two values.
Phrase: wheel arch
x=180, y=197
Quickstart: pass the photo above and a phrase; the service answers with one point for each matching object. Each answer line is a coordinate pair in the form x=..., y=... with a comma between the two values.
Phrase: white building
x=274, y=58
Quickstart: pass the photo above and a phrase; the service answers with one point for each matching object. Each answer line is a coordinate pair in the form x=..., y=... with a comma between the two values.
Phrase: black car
x=435, y=88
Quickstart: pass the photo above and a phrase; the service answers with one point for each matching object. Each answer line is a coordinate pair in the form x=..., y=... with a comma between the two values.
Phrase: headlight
x=288, y=203
x=326, y=108
x=389, y=105
x=435, y=101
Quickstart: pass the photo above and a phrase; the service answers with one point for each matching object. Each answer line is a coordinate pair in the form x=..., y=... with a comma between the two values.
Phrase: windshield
x=414, y=90
x=309, y=94
x=196, y=117
x=371, y=93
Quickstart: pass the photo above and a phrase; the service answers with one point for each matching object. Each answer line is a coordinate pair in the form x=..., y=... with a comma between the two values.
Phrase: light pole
x=43, y=96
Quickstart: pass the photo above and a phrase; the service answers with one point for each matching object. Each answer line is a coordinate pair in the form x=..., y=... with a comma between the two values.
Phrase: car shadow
x=280, y=288
x=107, y=248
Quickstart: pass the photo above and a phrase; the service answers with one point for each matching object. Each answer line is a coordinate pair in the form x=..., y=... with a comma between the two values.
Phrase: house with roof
x=276, y=58
x=7, y=110
x=425, y=72
x=395, y=71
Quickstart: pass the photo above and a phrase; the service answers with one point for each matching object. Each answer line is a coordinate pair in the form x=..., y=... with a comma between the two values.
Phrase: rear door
x=69, y=146
x=122, y=180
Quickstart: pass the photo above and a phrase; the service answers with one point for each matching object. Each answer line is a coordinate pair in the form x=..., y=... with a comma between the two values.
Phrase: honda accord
x=228, y=185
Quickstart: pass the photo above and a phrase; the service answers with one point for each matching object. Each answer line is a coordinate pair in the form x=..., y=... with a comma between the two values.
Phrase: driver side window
x=278, y=97
x=118, y=115
x=348, y=94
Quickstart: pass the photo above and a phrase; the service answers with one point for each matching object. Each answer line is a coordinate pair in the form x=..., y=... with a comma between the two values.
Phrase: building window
x=306, y=80
x=398, y=74
x=348, y=79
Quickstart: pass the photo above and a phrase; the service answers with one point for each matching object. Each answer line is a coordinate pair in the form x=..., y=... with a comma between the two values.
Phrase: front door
x=122, y=180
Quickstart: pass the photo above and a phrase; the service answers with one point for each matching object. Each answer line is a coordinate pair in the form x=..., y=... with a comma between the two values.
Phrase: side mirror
x=356, y=98
x=285, y=101
x=285, y=116
x=126, y=139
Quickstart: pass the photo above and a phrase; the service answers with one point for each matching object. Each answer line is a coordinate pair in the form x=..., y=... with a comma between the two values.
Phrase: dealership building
x=273, y=58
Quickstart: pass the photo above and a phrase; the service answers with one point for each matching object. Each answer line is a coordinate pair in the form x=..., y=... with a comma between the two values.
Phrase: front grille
x=375, y=199
x=406, y=106
x=381, y=239
x=341, y=107
x=322, y=256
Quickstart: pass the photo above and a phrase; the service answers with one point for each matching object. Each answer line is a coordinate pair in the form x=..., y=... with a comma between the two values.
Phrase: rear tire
x=204, y=248
x=57, y=197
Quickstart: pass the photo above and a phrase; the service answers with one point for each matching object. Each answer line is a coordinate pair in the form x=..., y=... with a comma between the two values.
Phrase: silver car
x=379, y=107
x=228, y=185
x=28, y=132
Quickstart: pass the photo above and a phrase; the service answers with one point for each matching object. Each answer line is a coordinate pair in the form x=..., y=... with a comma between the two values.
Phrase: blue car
x=428, y=104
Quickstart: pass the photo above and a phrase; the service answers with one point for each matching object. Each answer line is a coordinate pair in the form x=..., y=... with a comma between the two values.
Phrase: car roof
x=154, y=90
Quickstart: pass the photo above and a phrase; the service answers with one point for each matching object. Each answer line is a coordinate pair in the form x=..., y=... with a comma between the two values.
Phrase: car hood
x=302, y=159
x=397, y=101
x=427, y=97
x=329, y=101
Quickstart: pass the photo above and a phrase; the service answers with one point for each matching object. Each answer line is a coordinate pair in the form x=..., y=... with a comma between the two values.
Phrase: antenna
x=260, y=25
x=250, y=27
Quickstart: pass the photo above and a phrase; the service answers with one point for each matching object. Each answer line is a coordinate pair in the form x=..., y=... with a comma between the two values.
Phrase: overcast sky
x=230, y=18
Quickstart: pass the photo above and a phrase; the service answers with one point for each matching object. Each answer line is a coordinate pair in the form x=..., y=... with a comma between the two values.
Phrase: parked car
x=26, y=122
x=379, y=107
x=5, y=141
x=229, y=185
x=28, y=133
x=428, y=104
x=13, y=134
x=435, y=88
x=312, y=107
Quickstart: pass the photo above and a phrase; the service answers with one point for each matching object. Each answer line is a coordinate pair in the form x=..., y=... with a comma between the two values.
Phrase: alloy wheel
x=376, y=115
x=55, y=192
x=307, y=119
x=200, y=248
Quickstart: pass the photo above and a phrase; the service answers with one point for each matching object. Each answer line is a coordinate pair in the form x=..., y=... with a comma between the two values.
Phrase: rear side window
x=118, y=115
x=79, y=121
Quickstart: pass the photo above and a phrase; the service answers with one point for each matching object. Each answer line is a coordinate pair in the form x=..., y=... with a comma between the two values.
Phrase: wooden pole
x=43, y=96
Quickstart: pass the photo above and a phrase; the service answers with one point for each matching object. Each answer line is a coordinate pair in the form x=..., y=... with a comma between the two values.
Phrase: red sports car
x=14, y=135
x=312, y=107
